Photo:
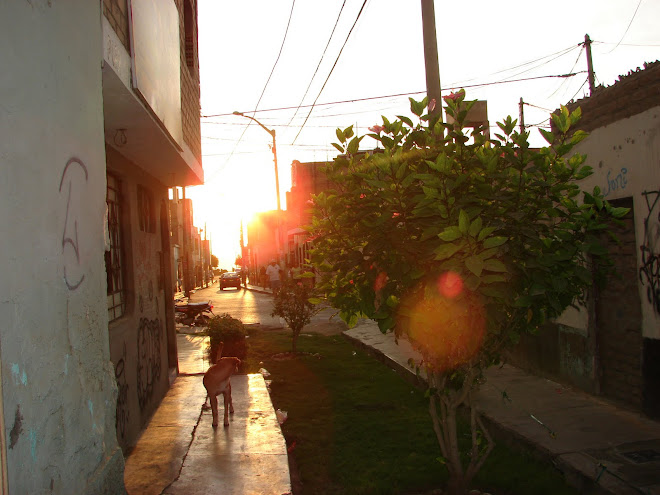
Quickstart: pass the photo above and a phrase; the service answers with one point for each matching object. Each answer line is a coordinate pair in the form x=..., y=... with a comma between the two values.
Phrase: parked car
x=230, y=279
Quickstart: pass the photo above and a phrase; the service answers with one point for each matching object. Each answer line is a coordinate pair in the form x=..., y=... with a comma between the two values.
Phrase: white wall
x=59, y=390
x=625, y=157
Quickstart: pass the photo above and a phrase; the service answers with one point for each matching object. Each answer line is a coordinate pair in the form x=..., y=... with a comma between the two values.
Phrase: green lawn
x=358, y=427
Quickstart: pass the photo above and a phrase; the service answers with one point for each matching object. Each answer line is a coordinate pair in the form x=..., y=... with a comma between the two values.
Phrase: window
x=114, y=255
x=146, y=213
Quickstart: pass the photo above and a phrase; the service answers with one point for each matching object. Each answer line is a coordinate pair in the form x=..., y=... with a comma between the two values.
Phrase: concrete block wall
x=58, y=384
x=139, y=339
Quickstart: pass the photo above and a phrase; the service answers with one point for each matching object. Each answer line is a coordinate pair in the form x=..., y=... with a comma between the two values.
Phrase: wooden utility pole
x=521, y=112
x=431, y=56
x=590, y=65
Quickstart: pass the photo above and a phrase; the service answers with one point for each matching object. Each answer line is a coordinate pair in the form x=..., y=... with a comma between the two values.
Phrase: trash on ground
x=281, y=416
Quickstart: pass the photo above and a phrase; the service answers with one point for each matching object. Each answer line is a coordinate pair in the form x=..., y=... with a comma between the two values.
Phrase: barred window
x=146, y=213
x=114, y=268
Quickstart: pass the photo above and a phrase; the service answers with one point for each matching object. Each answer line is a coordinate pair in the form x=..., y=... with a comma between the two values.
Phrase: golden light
x=444, y=321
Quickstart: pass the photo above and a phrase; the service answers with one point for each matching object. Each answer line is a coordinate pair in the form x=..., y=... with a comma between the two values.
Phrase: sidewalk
x=600, y=448
x=179, y=452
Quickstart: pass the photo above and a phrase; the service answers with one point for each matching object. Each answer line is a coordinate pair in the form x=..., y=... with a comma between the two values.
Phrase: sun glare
x=446, y=323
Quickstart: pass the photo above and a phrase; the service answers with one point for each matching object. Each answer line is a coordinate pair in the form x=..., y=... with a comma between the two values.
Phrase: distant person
x=262, y=276
x=273, y=272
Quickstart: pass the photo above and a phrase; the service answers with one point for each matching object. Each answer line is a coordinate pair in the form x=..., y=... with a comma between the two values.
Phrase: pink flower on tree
x=432, y=105
x=454, y=96
x=377, y=129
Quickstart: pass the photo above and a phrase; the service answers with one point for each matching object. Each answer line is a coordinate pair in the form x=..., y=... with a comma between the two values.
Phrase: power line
x=397, y=95
x=319, y=64
x=268, y=80
x=559, y=53
x=629, y=24
x=564, y=81
x=331, y=70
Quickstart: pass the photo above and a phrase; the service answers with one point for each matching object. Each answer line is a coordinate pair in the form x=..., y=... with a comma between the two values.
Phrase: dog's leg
x=214, y=409
x=231, y=404
x=227, y=399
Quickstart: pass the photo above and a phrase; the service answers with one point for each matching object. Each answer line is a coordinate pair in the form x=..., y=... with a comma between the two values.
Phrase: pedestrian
x=262, y=276
x=273, y=272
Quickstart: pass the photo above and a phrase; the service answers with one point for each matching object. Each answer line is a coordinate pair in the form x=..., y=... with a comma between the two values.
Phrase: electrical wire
x=267, y=81
x=412, y=93
x=331, y=70
x=319, y=64
x=629, y=24
x=572, y=68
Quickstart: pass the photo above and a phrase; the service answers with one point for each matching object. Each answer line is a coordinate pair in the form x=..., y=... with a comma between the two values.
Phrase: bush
x=225, y=328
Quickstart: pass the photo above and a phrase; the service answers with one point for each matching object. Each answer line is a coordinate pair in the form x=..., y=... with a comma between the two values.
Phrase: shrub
x=225, y=328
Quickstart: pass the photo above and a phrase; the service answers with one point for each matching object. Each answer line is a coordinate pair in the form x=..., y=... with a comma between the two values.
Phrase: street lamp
x=272, y=133
x=277, y=179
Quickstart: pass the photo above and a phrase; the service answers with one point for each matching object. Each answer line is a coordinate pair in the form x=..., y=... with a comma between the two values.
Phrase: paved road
x=252, y=307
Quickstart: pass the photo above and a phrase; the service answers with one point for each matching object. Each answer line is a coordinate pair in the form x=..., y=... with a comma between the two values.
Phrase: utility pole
x=186, y=232
x=431, y=56
x=521, y=112
x=590, y=65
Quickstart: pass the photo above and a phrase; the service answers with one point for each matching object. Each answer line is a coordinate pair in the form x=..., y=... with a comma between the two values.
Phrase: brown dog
x=216, y=381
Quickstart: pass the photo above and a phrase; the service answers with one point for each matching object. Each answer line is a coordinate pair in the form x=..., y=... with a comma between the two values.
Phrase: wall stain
x=17, y=428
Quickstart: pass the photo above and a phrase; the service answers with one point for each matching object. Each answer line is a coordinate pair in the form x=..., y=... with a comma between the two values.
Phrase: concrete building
x=93, y=133
x=613, y=347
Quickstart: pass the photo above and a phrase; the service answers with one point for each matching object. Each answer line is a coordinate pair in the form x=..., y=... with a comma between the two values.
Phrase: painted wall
x=139, y=339
x=625, y=156
x=59, y=388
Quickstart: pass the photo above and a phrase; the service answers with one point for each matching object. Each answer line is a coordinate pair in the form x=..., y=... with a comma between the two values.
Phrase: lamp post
x=277, y=178
x=272, y=133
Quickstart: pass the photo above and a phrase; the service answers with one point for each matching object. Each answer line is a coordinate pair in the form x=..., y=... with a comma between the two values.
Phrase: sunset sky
x=482, y=46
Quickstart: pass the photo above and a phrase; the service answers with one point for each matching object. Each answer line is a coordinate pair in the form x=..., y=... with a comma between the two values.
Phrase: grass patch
x=360, y=428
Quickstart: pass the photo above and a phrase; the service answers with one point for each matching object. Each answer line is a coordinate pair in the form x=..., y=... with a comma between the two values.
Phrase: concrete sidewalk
x=179, y=451
x=600, y=448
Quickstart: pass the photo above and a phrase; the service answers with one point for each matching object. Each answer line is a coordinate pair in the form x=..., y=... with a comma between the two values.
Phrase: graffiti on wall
x=616, y=181
x=649, y=273
x=73, y=276
x=149, y=361
x=123, y=412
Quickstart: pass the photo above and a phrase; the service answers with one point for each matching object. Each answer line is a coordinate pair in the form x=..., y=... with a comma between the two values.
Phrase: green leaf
x=475, y=265
x=446, y=251
x=354, y=145
x=339, y=147
x=340, y=135
x=494, y=266
x=463, y=222
x=523, y=302
x=547, y=135
x=492, y=242
x=315, y=300
x=392, y=301
x=306, y=275
x=475, y=227
x=450, y=234
x=485, y=232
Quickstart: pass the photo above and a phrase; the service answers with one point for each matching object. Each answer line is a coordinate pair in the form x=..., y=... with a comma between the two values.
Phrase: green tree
x=296, y=303
x=214, y=261
x=460, y=242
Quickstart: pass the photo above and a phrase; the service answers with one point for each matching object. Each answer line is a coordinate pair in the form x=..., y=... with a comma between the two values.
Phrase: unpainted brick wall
x=633, y=93
x=116, y=11
x=190, y=107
